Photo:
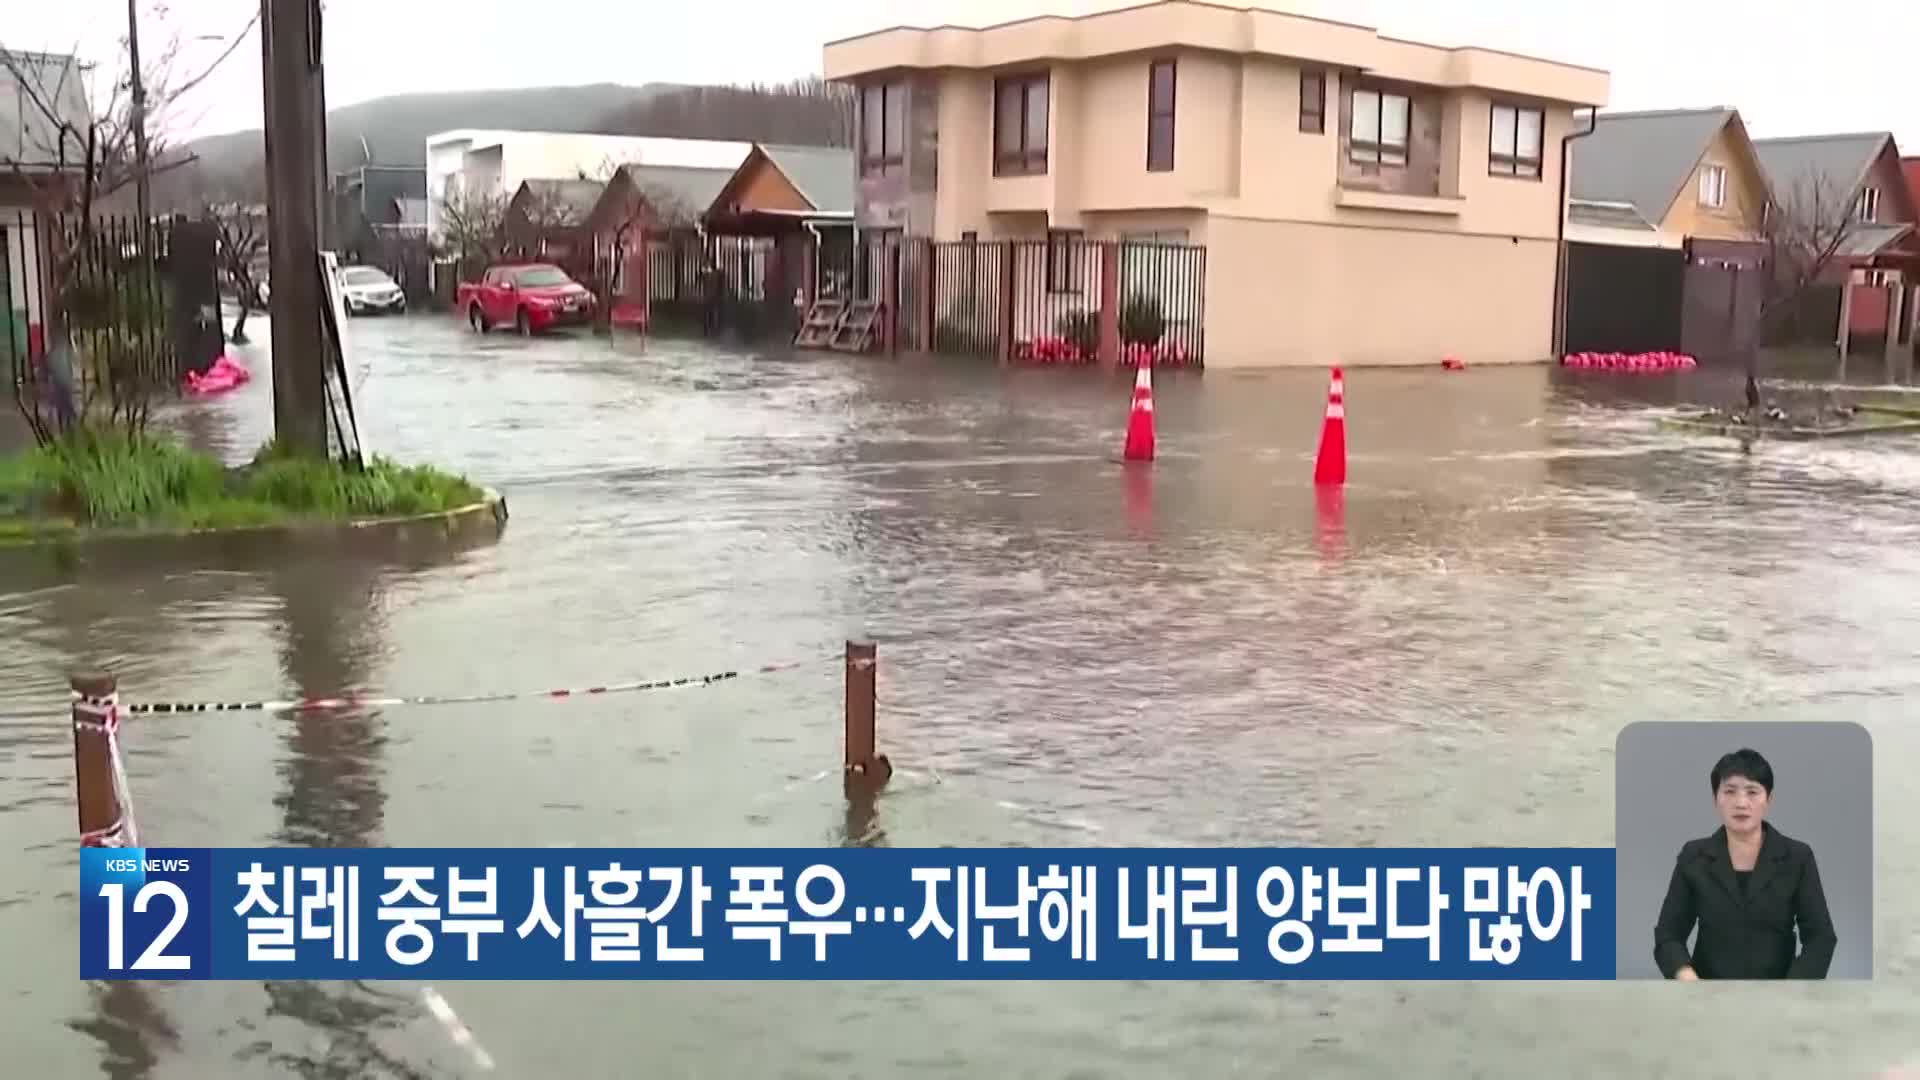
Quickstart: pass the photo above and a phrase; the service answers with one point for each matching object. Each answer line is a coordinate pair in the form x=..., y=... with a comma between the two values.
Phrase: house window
x=1160, y=76
x=1378, y=135
x=1020, y=126
x=1514, y=141
x=1713, y=186
x=1313, y=102
x=883, y=129
x=1063, y=257
x=1869, y=205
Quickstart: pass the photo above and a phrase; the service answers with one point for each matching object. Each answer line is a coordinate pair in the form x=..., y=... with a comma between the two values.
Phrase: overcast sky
x=1824, y=67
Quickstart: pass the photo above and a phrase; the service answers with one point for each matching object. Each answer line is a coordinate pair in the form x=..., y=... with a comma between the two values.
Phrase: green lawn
x=97, y=480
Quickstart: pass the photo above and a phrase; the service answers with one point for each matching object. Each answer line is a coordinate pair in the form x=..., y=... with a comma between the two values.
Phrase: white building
x=499, y=161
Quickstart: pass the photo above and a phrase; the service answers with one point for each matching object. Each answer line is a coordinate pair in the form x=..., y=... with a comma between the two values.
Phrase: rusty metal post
x=104, y=817
x=1006, y=327
x=923, y=295
x=863, y=763
x=1109, y=337
x=890, y=298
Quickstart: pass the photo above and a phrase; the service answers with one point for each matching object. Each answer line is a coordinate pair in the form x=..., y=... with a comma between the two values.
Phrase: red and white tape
x=368, y=701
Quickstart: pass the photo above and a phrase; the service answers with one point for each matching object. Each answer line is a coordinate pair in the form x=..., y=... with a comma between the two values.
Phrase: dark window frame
x=1163, y=160
x=1516, y=165
x=1030, y=159
x=1384, y=154
x=889, y=160
x=1313, y=120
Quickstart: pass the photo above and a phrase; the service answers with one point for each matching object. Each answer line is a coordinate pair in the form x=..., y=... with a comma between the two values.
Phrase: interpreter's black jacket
x=1745, y=933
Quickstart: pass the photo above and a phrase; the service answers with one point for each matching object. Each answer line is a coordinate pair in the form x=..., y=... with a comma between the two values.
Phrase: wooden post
x=294, y=133
x=1844, y=333
x=863, y=764
x=104, y=819
x=1896, y=318
x=1110, y=305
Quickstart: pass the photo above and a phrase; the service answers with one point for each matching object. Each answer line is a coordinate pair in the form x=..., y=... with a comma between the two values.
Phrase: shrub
x=1082, y=328
x=1141, y=320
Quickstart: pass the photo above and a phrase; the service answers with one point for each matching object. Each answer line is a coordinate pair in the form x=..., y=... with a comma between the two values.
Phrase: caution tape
x=368, y=701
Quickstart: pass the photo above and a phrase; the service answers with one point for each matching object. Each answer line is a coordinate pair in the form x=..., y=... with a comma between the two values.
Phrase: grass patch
x=109, y=481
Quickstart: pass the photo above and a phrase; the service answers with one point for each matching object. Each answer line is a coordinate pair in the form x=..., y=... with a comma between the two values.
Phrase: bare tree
x=472, y=226
x=1804, y=229
x=546, y=210
x=240, y=237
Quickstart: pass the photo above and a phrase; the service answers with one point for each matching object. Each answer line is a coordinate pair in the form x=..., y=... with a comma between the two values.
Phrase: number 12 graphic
x=154, y=957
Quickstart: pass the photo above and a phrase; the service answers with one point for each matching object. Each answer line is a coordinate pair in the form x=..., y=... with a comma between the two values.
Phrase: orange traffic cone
x=1331, y=466
x=1140, y=420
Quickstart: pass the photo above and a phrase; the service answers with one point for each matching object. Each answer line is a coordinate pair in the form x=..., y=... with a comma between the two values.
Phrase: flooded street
x=1071, y=653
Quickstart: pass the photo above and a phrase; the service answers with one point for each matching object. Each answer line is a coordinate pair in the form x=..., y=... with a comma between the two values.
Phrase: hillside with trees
x=393, y=130
x=804, y=112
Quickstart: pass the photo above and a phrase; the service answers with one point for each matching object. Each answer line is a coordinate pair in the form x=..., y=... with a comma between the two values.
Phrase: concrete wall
x=1286, y=293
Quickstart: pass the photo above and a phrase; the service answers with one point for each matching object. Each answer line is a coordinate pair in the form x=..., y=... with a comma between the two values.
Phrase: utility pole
x=143, y=196
x=290, y=58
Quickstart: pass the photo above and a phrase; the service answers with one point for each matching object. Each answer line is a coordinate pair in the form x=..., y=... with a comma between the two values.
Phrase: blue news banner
x=897, y=914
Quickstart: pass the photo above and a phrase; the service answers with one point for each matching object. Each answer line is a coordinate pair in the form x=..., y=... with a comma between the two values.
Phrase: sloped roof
x=693, y=188
x=573, y=198
x=1642, y=159
x=1864, y=240
x=1832, y=165
x=822, y=175
x=1608, y=215
x=29, y=138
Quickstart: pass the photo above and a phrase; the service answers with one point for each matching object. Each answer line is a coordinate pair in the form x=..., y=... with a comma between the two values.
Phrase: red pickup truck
x=530, y=297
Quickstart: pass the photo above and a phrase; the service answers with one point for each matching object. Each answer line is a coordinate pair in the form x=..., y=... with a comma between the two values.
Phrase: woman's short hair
x=1743, y=763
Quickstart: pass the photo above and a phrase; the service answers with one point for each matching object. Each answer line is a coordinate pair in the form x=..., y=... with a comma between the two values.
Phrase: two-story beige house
x=1362, y=200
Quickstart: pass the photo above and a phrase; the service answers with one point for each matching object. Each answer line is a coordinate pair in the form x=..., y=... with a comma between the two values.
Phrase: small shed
x=644, y=229
x=546, y=219
x=781, y=189
x=784, y=215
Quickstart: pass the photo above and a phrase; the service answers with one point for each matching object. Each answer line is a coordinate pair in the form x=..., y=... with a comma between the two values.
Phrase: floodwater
x=1071, y=653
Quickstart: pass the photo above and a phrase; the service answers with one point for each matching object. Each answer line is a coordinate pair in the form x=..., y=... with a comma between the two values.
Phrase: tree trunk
x=239, y=336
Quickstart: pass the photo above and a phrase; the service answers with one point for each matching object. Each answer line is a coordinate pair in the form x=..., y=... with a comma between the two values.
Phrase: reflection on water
x=1073, y=651
x=331, y=643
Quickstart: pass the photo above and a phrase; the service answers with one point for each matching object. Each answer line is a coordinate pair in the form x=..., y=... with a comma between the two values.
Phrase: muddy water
x=1070, y=654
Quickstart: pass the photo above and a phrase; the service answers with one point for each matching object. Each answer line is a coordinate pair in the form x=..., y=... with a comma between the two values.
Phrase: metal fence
x=138, y=303
x=966, y=297
x=736, y=284
x=1163, y=300
x=1023, y=300
x=1039, y=300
